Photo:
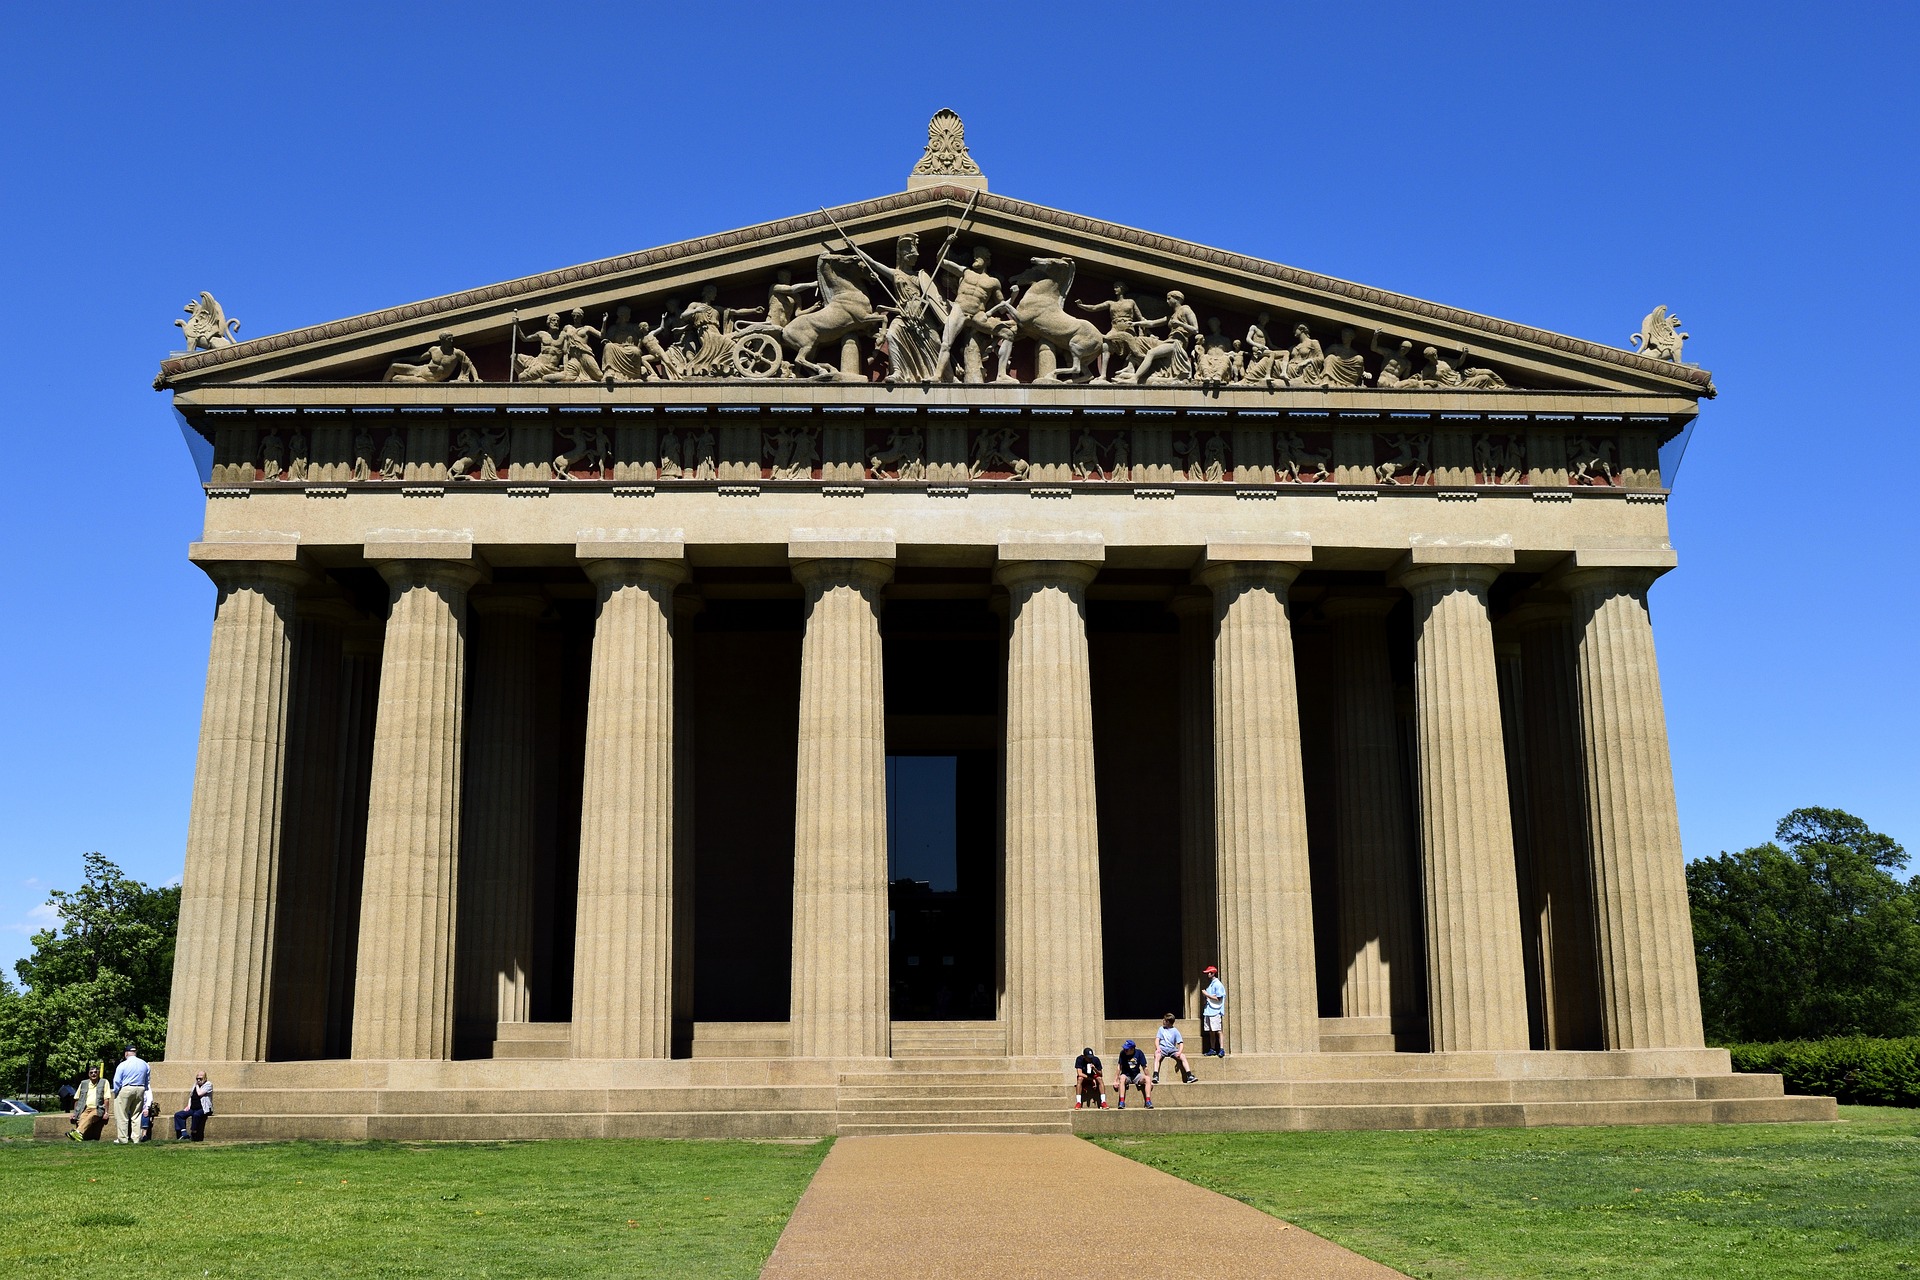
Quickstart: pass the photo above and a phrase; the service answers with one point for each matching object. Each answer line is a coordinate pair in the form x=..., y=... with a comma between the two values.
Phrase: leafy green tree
x=97, y=981
x=1809, y=935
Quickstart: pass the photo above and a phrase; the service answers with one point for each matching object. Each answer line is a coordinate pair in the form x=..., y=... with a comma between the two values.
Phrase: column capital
x=1419, y=579
x=1536, y=609
x=1220, y=576
x=431, y=572
x=232, y=564
x=1191, y=602
x=1016, y=574
x=509, y=601
x=1604, y=580
x=861, y=573
x=643, y=571
x=1361, y=602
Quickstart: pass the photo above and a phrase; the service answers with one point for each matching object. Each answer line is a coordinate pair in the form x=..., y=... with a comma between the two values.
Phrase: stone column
x=1054, y=956
x=840, y=1006
x=403, y=980
x=303, y=922
x=1374, y=843
x=223, y=960
x=497, y=827
x=1649, y=991
x=623, y=925
x=1199, y=928
x=685, y=606
x=1263, y=881
x=1476, y=982
x=359, y=705
x=1557, y=821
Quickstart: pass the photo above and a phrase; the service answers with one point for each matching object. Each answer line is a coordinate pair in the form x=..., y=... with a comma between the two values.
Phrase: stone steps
x=537, y=1040
x=1201, y=1118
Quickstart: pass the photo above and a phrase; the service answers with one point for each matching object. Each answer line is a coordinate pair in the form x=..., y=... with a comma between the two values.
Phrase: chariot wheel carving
x=757, y=355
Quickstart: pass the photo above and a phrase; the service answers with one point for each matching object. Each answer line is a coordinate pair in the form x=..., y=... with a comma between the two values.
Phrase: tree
x=97, y=981
x=1809, y=935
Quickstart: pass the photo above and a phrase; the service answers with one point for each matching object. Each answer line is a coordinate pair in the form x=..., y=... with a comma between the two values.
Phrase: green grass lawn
x=1721, y=1201
x=572, y=1209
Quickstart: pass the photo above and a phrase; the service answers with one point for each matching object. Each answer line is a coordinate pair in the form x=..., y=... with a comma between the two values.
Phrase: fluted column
x=623, y=925
x=1374, y=842
x=685, y=607
x=223, y=959
x=1557, y=822
x=1264, y=886
x=1199, y=906
x=1054, y=955
x=497, y=818
x=1476, y=982
x=303, y=923
x=1649, y=991
x=403, y=982
x=359, y=705
x=840, y=1005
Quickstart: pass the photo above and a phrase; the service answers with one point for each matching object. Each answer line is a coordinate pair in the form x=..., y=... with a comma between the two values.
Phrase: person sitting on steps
x=1171, y=1044
x=1086, y=1079
x=1132, y=1069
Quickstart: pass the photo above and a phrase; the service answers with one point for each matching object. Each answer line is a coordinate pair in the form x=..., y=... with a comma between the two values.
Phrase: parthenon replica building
x=584, y=644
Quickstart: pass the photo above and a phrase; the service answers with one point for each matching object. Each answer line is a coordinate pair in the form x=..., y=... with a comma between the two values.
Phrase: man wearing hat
x=1086, y=1079
x=1213, y=1008
x=1131, y=1066
x=130, y=1081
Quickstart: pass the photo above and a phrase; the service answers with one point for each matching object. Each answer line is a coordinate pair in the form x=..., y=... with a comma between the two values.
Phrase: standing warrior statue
x=442, y=362
x=976, y=293
x=1123, y=329
x=913, y=336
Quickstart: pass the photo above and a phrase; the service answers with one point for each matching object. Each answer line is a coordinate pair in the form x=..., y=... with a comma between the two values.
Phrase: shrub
x=1854, y=1069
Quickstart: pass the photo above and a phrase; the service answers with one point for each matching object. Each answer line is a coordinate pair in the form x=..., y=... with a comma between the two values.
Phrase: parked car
x=13, y=1107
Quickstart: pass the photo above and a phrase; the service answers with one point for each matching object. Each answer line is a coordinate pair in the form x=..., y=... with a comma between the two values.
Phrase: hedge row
x=1854, y=1069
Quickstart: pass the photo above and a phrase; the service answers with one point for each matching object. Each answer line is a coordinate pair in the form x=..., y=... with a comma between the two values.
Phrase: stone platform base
x=767, y=1097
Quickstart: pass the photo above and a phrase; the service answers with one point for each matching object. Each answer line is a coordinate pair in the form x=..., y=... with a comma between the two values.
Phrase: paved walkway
x=984, y=1207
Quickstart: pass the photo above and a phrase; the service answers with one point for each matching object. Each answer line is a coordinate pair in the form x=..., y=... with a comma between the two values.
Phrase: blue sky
x=1750, y=165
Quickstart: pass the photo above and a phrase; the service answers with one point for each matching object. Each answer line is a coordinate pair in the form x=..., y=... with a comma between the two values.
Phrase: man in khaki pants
x=131, y=1080
x=89, y=1108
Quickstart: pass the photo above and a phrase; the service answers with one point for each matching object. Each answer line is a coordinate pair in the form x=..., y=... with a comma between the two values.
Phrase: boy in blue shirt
x=1169, y=1043
x=1213, y=1009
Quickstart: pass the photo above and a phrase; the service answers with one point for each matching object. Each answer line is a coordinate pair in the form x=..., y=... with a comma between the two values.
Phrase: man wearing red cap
x=1213, y=1008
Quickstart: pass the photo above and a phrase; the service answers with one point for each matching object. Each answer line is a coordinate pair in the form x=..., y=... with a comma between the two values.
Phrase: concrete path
x=990, y=1206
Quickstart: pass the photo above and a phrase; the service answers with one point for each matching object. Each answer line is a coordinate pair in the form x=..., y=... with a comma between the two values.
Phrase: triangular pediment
x=656, y=286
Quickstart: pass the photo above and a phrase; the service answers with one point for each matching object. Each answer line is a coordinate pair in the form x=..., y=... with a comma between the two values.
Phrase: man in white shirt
x=1213, y=1008
x=1169, y=1043
x=130, y=1081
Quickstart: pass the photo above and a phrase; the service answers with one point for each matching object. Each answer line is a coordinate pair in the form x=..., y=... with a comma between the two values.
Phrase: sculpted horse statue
x=844, y=308
x=1042, y=315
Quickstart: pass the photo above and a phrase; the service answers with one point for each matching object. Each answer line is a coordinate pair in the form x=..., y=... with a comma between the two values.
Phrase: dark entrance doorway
x=940, y=903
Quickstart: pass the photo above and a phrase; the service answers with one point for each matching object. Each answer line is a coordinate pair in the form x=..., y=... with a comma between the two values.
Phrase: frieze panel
x=916, y=448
